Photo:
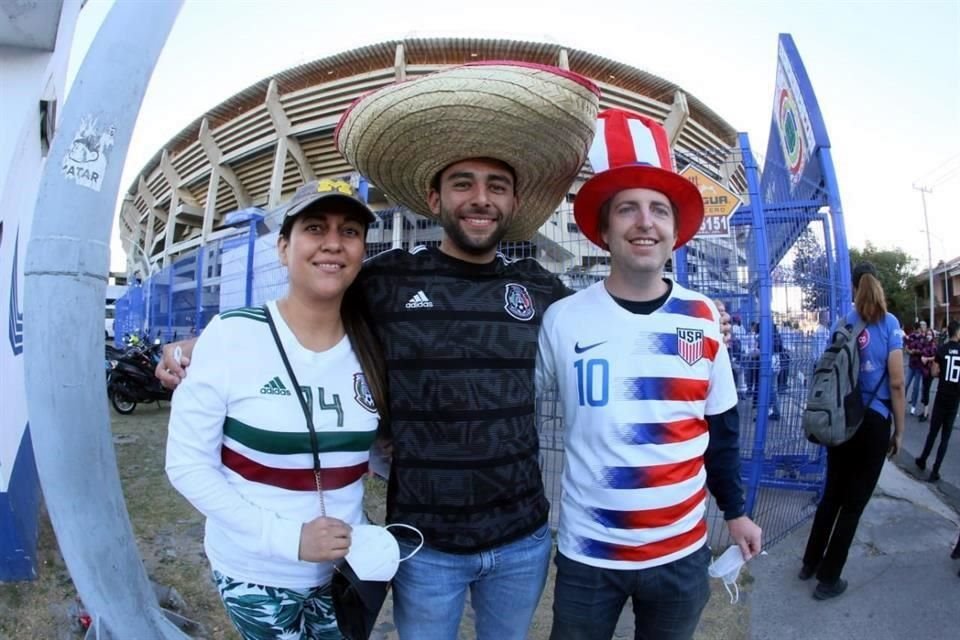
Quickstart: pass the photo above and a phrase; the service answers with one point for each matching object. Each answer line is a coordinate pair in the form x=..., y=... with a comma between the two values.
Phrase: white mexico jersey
x=635, y=390
x=239, y=449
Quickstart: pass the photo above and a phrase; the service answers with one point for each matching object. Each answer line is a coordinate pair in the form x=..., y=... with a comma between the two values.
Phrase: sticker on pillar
x=86, y=160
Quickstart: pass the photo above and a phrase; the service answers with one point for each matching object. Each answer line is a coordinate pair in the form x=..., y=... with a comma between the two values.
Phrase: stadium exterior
x=255, y=148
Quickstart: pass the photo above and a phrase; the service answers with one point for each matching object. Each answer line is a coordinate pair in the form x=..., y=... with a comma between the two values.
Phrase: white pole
x=926, y=224
x=65, y=280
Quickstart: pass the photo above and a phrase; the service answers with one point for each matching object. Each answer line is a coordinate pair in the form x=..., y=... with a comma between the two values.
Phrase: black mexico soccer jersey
x=948, y=357
x=461, y=345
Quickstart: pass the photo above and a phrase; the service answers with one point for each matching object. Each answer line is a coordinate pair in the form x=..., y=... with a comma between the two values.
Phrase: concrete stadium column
x=563, y=60
x=130, y=217
x=65, y=280
x=210, y=209
x=677, y=118
x=215, y=157
x=154, y=213
x=173, y=178
x=400, y=64
x=276, y=176
x=285, y=143
x=397, y=239
x=729, y=166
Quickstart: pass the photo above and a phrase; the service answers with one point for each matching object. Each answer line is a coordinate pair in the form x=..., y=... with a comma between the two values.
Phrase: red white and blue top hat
x=631, y=151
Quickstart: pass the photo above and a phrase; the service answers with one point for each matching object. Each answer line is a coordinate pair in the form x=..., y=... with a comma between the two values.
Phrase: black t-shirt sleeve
x=722, y=461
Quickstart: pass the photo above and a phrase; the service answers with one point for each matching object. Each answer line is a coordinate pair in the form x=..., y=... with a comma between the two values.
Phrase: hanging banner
x=792, y=170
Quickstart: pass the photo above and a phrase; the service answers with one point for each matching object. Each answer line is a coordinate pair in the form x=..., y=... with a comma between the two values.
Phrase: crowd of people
x=437, y=356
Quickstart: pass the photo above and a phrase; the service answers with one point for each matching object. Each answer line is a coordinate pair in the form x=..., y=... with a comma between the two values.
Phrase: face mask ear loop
x=734, y=594
x=406, y=526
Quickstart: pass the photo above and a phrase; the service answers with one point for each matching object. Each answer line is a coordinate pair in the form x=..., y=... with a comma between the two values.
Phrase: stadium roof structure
x=256, y=147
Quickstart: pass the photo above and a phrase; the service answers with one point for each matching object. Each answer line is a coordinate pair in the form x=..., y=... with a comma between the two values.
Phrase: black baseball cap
x=337, y=194
x=861, y=269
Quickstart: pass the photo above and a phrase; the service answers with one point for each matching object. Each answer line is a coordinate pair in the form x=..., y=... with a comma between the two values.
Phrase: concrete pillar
x=210, y=210
x=285, y=143
x=148, y=199
x=173, y=178
x=397, y=240
x=215, y=156
x=677, y=118
x=65, y=279
x=563, y=60
x=400, y=64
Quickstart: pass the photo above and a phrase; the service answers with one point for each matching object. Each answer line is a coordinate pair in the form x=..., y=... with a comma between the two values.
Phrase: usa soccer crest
x=690, y=345
x=361, y=393
x=519, y=304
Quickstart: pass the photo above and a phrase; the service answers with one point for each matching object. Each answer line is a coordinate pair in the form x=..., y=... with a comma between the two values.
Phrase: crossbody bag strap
x=314, y=446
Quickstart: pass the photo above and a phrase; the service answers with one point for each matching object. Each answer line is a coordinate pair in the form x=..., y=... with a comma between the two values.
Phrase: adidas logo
x=274, y=388
x=419, y=301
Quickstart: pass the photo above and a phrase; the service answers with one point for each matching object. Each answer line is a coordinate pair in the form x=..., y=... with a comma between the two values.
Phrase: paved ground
x=902, y=581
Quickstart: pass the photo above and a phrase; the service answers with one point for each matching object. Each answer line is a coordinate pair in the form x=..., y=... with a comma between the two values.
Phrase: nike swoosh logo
x=579, y=349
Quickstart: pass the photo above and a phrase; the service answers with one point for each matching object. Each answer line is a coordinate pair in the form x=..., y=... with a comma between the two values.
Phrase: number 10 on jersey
x=593, y=382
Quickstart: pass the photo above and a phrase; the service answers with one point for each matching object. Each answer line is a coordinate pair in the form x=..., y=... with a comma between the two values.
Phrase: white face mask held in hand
x=727, y=568
x=360, y=582
x=374, y=553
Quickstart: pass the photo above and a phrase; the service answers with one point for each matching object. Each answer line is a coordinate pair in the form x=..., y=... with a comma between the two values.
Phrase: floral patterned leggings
x=273, y=613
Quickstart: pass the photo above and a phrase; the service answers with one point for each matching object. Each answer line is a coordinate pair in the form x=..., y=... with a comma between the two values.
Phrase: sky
x=886, y=75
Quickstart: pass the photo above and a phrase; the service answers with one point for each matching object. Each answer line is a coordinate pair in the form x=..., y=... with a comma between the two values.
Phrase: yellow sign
x=718, y=202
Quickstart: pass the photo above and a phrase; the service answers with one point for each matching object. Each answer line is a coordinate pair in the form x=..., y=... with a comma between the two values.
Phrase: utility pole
x=926, y=224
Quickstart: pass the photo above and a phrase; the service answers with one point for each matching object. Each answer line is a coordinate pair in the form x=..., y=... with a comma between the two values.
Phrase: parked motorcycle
x=130, y=378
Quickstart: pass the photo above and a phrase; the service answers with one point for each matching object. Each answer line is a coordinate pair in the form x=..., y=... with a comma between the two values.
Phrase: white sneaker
x=913, y=410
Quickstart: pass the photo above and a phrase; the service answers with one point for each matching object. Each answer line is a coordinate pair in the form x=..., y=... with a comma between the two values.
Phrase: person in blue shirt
x=853, y=467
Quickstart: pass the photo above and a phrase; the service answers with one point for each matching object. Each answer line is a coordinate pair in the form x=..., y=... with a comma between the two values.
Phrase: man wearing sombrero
x=489, y=150
x=649, y=404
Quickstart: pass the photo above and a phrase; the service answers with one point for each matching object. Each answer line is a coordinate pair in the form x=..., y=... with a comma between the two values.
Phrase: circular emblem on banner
x=790, y=134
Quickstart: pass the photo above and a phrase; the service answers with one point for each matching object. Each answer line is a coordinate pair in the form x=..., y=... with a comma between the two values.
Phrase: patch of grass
x=169, y=534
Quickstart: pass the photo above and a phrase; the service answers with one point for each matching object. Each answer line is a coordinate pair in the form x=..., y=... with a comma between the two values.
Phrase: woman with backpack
x=853, y=467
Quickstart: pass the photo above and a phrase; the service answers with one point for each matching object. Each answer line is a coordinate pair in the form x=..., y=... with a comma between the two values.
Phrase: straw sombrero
x=536, y=118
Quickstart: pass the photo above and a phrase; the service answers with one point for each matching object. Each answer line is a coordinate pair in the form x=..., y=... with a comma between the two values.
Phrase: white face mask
x=374, y=553
x=727, y=568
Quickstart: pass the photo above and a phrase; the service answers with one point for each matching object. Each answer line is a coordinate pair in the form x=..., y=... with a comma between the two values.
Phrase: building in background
x=35, y=40
x=946, y=293
x=255, y=148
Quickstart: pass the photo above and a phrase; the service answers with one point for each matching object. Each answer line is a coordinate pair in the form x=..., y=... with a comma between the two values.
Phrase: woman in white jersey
x=853, y=467
x=279, y=496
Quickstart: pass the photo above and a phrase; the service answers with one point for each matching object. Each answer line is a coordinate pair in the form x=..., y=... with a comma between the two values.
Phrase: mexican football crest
x=519, y=304
x=361, y=393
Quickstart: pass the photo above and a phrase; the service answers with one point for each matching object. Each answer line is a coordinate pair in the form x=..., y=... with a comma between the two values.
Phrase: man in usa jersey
x=649, y=403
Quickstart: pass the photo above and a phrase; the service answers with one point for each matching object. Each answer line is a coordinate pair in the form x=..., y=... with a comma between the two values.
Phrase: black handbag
x=356, y=602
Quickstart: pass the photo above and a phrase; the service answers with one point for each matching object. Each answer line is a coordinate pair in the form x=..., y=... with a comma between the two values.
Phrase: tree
x=810, y=271
x=895, y=269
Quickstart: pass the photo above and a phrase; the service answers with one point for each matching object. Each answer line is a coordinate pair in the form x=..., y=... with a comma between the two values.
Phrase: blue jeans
x=667, y=600
x=914, y=374
x=429, y=590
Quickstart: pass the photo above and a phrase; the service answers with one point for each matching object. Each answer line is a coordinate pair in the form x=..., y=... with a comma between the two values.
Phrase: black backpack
x=835, y=406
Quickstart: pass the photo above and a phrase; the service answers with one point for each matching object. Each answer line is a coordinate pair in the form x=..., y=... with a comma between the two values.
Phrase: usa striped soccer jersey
x=239, y=449
x=635, y=391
